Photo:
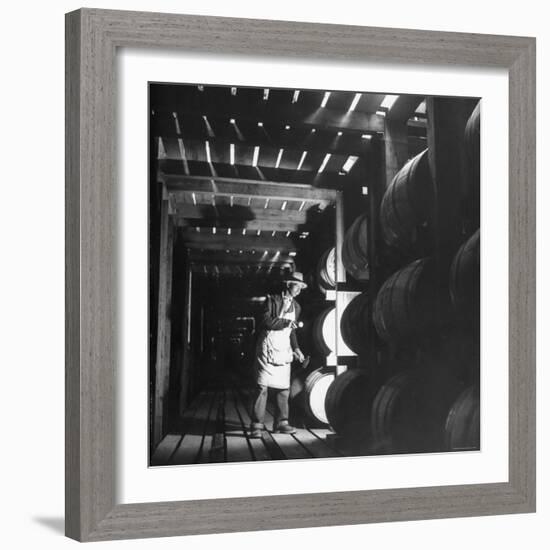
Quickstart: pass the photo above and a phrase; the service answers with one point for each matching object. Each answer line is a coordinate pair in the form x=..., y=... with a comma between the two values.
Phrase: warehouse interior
x=374, y=197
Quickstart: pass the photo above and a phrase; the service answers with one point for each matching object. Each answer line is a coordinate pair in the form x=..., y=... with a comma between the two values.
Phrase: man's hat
x=297, y=278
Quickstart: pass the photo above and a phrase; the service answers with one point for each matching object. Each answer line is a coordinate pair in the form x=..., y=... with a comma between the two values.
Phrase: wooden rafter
x=322, y=140
x=233, y=186
x=292, y=115
x=204, y=241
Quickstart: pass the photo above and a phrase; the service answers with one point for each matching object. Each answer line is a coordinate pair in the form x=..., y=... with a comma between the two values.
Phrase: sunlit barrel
x=407, y=204
x=326, y=270
x=315, y=391
x=354, y=323
x=406, y=306
x=354, y=249
x=464, y=283
x=348, y=404
x=462, y=428
x=324, y=331
x=410, y=409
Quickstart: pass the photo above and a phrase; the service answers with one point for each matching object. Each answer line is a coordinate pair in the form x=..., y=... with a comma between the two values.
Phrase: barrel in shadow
x=462, y=428
x=464, y=283
x=354, y=249
x=407, y=204
x=326, y=271
x=348, y=404
x=324, y=331
x=409, y=411
x=354, y=323
x=409, y=305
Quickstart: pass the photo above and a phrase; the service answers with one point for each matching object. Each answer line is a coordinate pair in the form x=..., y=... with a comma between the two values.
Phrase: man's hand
x=299, y=355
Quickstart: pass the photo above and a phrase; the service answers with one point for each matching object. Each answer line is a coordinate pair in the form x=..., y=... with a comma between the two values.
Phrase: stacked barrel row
x=424, y=310
x=423, y=409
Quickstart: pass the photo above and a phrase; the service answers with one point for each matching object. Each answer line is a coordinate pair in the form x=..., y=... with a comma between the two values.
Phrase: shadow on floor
x=54, y=524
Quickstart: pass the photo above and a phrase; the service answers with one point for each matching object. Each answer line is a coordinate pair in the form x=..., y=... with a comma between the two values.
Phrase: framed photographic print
x=300, y=275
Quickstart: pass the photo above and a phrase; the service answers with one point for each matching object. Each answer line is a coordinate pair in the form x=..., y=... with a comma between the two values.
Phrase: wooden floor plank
x=314, y=445
x=273, y=449
x=238, y=449
x=165, y=449
x=217, y=450
x=290, y=446
x=209, y=430
x=194, y=427
x=322, y=433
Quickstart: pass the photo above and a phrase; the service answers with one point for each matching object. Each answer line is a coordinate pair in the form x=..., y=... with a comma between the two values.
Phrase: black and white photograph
x=314, y=273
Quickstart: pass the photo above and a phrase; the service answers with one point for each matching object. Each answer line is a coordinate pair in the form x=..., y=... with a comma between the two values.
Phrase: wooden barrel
x=326, y=270
x=409, y=411
x=354, y=323
x=354, y=249
x=324, y=331
x=462, y=428
x=315, y=391
x=407, y=204
x=348, y=404
x=464, y=280
x=385, y=409
x=406, y=305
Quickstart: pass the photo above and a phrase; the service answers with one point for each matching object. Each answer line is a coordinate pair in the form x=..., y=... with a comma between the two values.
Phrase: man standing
x=277, y=346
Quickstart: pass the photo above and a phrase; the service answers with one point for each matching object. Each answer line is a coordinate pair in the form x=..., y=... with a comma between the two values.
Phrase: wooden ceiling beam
x=327, y=181
x=243, y=187
x=195, y=152
x=238, y=217
x=203, y=241
x=293, y=115
x=249, y=225
x=321, y=141
x=219, y=257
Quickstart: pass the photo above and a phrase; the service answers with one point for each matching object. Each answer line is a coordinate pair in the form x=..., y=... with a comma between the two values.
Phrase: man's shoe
x=256, y=430
x=285, y=428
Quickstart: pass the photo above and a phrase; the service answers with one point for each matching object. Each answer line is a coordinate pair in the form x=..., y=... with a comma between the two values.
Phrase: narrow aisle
x=215, y=428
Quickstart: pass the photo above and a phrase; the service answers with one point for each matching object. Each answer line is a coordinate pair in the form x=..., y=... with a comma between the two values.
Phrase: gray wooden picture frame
x=92, y=39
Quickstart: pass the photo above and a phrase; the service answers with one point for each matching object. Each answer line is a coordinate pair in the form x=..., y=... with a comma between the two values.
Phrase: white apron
x=270, y=375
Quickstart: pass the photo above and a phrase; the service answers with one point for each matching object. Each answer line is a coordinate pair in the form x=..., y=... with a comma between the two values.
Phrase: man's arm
x=293, y=338
x=270, y=320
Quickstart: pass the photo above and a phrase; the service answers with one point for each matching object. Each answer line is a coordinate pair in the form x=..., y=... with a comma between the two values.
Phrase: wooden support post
x=186, y=363
x=396, y=147
x=377, y=178
x=340, y=271
x=162, y=362
x=447, y=119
